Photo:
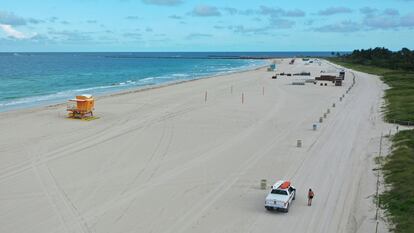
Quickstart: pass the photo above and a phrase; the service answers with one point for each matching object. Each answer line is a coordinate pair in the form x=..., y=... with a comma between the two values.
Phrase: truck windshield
x=281, y=192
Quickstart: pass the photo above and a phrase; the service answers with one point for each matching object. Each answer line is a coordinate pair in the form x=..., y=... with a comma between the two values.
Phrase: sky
x=204, y=25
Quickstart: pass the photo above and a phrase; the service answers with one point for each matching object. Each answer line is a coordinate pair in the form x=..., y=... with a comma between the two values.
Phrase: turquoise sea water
x=32, y=79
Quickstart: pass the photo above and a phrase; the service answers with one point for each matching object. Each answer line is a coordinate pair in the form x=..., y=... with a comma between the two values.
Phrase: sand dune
x=166, y=160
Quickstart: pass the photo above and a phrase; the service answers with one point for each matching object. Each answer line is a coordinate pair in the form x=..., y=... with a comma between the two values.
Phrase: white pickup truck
x=281, y=196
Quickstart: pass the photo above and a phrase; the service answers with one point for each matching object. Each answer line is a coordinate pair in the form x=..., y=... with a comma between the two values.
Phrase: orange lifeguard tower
x=81, y=107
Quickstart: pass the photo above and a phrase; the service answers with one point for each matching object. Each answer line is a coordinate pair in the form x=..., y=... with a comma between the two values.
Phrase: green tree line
x=382, y=57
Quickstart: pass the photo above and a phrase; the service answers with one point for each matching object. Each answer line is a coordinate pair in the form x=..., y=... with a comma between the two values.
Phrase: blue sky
x=205, y=25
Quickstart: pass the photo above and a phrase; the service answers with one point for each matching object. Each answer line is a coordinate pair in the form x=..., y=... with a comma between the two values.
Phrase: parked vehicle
x=280, y=196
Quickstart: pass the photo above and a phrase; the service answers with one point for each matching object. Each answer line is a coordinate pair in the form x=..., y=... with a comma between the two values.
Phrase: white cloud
x=388, y=19
x=342, y=27
x=335, y=10
x=7, y=18
x=279, y=12
x=368, y=10
x=11, y=32
x=205, y=11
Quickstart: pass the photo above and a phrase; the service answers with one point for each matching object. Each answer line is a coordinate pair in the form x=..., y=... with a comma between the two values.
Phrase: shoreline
x=37, y=107
x=172, y=83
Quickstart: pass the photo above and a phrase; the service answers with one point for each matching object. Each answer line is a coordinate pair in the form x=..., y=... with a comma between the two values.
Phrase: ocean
x=36, y=79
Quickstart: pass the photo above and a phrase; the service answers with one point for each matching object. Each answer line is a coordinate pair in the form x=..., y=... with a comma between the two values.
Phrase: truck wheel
x=294, y=195
x=287, y=208
x=268, y=208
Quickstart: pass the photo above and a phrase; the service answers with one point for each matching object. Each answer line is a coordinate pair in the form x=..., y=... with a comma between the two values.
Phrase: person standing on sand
x=310, y=197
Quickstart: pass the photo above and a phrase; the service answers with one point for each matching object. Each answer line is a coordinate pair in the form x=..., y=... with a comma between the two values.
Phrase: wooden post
x=263, y=184
x=242, y=97
x=263, y=91
x=231, y=90
x=299, y=143
x=378, y=183
x=380, y=149
x=205, y=97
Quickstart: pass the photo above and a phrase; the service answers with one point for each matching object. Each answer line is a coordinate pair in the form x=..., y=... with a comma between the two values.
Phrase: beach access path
x=190, y=157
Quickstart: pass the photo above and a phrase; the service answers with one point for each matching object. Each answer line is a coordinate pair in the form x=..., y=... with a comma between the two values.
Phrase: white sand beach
x=166, y=160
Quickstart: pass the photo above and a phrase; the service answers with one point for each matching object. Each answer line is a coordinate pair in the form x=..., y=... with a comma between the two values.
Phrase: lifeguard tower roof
x=87, y=96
